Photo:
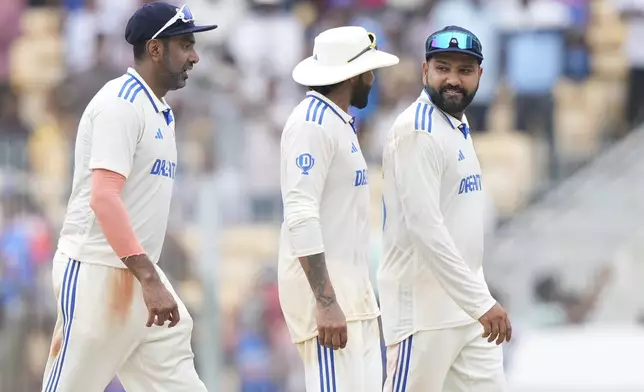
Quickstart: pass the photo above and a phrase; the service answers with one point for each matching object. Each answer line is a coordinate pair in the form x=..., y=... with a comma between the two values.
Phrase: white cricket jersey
x=431, y=275
x=128, y=130
x=326, y=209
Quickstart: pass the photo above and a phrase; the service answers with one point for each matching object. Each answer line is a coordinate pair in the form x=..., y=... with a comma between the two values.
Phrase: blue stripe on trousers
x=67, y=304
x=323, y=366
x=402, y=371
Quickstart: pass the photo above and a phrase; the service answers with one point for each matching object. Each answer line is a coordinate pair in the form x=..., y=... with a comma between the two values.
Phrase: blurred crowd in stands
x=56, y=54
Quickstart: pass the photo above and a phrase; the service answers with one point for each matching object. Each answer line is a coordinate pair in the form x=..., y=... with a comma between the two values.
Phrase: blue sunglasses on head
x=466, y=42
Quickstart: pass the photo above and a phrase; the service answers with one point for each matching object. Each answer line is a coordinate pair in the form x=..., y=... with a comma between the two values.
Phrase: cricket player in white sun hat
x=324, y=287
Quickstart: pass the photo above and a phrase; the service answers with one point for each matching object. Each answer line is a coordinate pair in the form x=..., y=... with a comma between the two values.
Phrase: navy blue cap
x=454, y=39
x=151, y=17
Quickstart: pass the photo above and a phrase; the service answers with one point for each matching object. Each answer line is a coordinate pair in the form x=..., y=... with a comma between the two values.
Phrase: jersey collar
x=451, y=120
x=344, y=116
x=159, y=105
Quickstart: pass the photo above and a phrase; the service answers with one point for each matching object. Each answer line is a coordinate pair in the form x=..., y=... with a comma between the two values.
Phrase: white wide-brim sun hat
x=340, y=54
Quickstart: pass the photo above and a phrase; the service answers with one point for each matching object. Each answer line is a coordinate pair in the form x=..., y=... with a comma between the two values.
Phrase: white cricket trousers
x=355, y=368
x=445, y=360
x=101, y=332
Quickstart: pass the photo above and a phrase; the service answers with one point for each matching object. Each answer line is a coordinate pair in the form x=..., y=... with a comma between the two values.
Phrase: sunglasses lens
x=187, y=13
x=452, y=39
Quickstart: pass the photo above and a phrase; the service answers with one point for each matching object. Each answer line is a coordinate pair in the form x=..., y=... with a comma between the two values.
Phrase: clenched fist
x=332, y=326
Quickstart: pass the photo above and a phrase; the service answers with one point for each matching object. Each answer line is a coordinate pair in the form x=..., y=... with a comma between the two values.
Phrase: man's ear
x=425, y=69
x=155, y=48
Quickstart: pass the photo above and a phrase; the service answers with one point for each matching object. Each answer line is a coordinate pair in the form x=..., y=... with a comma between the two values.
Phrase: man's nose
x=453, y=79
x=194, y=57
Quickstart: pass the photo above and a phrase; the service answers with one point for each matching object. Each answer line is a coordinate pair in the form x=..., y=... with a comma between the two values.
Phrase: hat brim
x=454, y=50
x=310, y=72
x=187, y=30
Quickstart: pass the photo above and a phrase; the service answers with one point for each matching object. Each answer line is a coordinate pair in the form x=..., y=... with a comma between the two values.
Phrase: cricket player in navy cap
x=117, y=312
x=441, y=325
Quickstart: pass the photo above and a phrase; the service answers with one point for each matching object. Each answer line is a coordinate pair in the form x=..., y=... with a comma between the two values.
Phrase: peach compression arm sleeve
x=111, y=214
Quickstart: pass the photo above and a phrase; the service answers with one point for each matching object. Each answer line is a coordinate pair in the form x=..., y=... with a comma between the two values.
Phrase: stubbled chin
x=180, y=84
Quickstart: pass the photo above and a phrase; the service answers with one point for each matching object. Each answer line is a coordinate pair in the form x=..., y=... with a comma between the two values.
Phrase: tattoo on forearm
x=315, y=269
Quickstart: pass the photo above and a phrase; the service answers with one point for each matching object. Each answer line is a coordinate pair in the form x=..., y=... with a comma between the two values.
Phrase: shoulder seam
x=121, y=98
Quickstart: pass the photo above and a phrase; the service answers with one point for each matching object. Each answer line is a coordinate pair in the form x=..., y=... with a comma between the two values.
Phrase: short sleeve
x=115, y=131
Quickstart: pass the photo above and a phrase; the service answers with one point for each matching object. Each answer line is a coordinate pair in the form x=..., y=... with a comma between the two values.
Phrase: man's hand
x=160, y=303
x=496, y=325
x=332, y=326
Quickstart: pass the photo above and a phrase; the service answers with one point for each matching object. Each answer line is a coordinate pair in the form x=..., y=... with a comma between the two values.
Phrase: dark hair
x=325, y=90
x=139, y=48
